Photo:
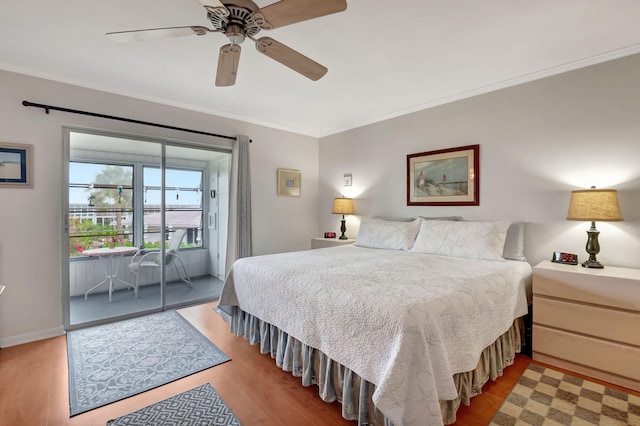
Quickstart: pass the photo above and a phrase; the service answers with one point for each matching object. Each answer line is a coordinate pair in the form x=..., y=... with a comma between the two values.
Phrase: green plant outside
x=86, y=235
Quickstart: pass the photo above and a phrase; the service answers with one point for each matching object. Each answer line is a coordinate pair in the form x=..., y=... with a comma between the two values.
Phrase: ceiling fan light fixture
x=235, y=33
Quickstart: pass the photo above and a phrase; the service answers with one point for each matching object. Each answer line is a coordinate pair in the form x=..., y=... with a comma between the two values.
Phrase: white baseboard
x=31, y=337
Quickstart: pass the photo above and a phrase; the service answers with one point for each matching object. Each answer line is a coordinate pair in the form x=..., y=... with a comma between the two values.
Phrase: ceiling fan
x=240, y=19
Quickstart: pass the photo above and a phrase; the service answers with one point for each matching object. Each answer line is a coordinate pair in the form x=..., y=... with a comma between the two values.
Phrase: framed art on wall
x=448, y=177
x=289, y=182
x=15, y=165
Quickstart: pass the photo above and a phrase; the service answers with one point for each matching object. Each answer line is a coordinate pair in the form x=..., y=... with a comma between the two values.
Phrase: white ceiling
x=385, y=58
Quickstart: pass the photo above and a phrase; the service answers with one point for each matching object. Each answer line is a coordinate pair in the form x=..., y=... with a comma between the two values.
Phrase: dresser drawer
x=603, y=355
x=621, y=326
x=614, y=287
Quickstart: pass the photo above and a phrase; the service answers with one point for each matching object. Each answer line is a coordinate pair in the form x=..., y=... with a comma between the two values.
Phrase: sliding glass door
x=142, y=226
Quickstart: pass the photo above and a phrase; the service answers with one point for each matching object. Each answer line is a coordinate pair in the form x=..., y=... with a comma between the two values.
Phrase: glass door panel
x=146, y=226
x=105, y=229
x=191, y=277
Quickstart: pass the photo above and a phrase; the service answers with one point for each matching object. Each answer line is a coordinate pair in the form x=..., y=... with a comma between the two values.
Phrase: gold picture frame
x=16, y=170
x=289, y=182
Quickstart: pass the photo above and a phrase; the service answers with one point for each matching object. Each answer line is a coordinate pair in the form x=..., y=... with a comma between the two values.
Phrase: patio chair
x=150, y=259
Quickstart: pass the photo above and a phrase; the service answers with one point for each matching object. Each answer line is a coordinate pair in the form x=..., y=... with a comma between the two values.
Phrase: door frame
x=65, y=258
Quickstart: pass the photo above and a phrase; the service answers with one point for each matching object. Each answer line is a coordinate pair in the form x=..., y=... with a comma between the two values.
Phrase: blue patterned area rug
x=111, y=362
x=199, y=406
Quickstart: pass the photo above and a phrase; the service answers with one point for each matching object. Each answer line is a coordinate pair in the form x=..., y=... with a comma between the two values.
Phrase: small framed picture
x=329, y=234
x=289, y=182
x=16, y=168
x=348, y=181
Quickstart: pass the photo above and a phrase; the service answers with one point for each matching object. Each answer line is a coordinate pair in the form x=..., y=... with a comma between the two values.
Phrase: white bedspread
x=406, y=322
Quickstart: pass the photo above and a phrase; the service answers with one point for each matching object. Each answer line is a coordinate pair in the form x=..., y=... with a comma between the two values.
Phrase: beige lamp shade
x=342, y=206
x=595, y=205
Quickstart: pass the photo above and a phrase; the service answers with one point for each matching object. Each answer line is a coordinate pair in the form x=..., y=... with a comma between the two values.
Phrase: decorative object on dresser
x=566, y=258
x=444, y=177
x=587, y=321
x=343, y=206
x=594, y=205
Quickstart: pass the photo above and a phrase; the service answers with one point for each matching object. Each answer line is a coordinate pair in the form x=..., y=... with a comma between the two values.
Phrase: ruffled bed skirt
x=337, y=383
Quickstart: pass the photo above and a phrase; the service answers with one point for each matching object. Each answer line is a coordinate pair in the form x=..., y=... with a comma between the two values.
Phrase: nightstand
x=588, y=321
x=329, y=242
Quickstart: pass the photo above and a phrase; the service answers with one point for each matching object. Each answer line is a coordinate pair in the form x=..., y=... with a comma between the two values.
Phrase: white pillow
x=385, y=234
x=472, y=240
x=514, y=242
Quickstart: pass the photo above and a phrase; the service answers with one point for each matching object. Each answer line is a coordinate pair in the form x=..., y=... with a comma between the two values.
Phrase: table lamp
x=595, y=205
x=343, y=206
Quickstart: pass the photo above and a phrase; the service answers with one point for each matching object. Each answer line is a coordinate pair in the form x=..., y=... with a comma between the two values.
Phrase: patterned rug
x=111, y=362
x=544, y=397
x=199, y=406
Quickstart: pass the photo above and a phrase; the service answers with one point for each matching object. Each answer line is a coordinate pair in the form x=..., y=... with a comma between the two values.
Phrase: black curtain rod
x=128, y=120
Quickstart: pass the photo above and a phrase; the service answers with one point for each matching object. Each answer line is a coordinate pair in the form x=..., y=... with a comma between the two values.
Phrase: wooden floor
x=34, y=385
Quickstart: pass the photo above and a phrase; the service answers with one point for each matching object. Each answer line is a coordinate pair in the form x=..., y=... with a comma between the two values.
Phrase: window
x=100, y=205
x=183, y=201
x=102, y=208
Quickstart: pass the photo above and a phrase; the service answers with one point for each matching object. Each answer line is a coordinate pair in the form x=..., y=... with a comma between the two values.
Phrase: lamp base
x=593, y=248
x=343, y=229
x=592, y=264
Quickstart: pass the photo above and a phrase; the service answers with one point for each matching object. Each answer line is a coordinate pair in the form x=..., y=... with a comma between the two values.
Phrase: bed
x=400, y=327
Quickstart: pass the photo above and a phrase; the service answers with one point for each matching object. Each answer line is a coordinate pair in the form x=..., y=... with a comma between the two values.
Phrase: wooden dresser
x=588, y=321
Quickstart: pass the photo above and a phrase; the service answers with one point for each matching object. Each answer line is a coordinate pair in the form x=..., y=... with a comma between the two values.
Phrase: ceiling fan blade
x=287, y=12
x=290, y=58
x=215, y=6
x=228, y=65
x=157, y=33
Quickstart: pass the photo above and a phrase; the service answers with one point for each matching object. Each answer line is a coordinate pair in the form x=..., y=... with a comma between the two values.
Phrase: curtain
x=239, y=233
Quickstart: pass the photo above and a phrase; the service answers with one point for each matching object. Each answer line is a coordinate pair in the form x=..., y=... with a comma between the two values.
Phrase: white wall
x=285, y=223
x=30, y=219
x=538, y=142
